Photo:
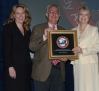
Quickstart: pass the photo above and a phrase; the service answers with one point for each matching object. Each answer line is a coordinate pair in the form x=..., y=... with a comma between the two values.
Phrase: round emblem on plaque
x=62, y=42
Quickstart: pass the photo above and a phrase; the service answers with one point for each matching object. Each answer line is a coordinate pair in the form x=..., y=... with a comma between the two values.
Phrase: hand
x=12, y=72
x=46, y=31
x=63, y=59
x=77, y=50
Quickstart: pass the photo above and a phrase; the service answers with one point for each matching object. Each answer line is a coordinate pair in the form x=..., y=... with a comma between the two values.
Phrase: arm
x=6, y=46
x=95, y=44
x=92, y=49
x=36, y=39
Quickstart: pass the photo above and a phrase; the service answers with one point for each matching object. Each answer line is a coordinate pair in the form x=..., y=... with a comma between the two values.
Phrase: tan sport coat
x=41, y=64
x=89, y=42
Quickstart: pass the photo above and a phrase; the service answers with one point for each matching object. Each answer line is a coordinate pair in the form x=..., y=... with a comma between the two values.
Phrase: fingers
x=12, y=72
x=46, y=31
x=77, y=50
x=63, y=59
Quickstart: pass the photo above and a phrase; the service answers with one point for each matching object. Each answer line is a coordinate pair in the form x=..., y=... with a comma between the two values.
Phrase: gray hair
x=85, y=8
x=49, y=6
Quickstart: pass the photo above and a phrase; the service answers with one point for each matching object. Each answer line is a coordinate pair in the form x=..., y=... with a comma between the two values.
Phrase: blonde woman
x=86, y=74
x=17, y=62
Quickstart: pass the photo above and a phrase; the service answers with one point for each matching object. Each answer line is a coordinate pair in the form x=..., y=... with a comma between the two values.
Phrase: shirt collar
x=50, y=25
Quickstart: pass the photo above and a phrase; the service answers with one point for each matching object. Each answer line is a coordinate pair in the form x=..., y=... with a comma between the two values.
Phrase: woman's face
x=19, y=15
x=83, y=16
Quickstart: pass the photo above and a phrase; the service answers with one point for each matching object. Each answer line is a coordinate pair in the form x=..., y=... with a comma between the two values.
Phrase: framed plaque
x=61, y=43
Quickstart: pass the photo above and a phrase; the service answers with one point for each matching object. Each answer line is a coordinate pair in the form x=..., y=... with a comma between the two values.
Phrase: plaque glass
x=61, y=43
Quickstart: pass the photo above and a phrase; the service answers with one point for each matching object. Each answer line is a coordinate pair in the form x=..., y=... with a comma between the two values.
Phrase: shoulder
x=75, y=28
x=60, y=27
x=41, y=25
x=29, y=32
x=93, y=27
x=7, y=26
x=7, y=29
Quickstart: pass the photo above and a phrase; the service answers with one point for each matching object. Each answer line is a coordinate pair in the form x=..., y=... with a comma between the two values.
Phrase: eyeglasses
x=52, y=12
x=83, y=14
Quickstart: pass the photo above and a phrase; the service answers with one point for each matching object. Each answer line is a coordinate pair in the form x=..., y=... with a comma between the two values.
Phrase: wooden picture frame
x=61, y=43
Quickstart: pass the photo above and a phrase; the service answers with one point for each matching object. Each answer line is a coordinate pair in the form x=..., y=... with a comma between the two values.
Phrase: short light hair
x=49, y=6
x=85, y=8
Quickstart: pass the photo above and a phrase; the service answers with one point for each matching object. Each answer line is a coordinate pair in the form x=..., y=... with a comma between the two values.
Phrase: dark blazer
x=41, y=64
x=15, y=46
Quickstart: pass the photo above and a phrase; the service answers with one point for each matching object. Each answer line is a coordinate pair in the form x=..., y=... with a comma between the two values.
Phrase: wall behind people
x=68, y=8
x=37, y=10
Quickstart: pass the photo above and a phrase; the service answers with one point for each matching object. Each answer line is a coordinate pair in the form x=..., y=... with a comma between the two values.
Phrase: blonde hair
x=26, y=23
x=85, y=8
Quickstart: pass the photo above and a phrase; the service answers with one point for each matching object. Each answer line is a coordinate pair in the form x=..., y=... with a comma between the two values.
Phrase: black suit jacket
x=15, y=46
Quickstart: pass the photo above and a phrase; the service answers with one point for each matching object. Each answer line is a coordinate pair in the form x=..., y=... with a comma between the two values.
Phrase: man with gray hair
x=46, y=75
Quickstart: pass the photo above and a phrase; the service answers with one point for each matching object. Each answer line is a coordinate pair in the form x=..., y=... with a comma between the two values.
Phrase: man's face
x=53, y=15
